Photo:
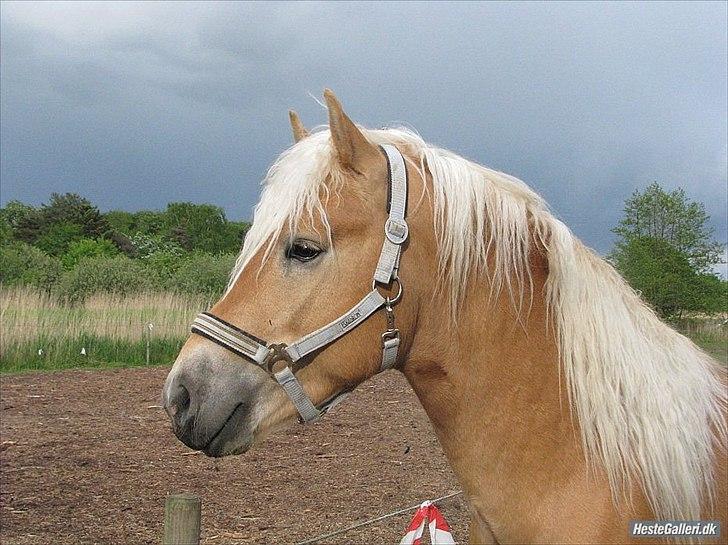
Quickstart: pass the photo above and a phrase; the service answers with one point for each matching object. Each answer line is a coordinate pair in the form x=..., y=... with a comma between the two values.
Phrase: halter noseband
x=278, y=359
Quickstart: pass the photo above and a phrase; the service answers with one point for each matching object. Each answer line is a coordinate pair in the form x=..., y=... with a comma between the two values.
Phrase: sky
x=134, y=105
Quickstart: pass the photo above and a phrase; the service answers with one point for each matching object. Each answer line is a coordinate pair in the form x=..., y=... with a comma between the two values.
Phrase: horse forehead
x=349, y=205
x=341, y=200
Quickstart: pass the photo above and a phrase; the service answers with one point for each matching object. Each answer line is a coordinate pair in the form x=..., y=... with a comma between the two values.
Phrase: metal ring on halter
x=397, y=297
x=277, y=354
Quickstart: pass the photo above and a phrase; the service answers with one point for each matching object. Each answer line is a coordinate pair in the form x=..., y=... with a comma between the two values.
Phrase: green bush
x=165, y=263
x=203, y=273
x=56, y=240
x=146, y=245
x=22, y=264
x=118, y=275
x=87, y=247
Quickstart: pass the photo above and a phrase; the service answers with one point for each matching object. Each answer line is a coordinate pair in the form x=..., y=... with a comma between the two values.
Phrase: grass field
x=709, y=332
x=106, y=331
x=37, y=332
x=714, y=345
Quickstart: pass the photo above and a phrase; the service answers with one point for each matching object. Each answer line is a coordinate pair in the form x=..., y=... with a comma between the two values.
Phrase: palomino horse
x=564, y=406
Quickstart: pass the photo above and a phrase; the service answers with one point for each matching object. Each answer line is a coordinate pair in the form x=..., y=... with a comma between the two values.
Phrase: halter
x=278, y=359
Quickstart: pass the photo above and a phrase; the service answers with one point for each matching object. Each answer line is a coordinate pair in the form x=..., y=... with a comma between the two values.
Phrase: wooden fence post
x=182, y=520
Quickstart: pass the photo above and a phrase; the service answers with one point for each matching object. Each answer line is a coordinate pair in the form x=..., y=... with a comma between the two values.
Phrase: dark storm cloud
x=136, y=105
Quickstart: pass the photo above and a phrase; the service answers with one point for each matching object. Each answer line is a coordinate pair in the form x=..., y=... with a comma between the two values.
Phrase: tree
x=149, y=222
x=14, y=213
x=713, y=293
x=58, y=237
x=72, y=208
x=75, y=216
x=21, y=220
x=202, y=227
x=662, y=274
x=665, y=251
x=121, y=221
x=672, y=217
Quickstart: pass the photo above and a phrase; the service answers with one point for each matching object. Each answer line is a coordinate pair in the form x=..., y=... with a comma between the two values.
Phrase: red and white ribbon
x=439, y=530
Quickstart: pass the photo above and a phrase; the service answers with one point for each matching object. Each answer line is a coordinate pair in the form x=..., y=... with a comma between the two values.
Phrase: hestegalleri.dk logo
x=674, y=528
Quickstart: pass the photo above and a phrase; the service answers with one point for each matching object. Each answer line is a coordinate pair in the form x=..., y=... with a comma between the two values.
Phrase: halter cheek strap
x=278, y=359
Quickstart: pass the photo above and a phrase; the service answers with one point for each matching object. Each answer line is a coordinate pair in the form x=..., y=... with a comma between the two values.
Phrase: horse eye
x=303, y=250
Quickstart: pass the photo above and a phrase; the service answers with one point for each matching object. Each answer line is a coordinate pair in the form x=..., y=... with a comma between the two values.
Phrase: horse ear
x=299, y=131
x=352, y=148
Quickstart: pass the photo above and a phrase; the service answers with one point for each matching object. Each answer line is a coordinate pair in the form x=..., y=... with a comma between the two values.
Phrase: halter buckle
x=396, y=230
x=277, y=353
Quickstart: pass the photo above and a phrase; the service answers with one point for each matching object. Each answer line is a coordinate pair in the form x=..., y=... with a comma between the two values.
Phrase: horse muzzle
x=212, y=402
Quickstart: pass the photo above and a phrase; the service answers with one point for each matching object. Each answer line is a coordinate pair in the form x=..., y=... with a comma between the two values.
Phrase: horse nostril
x=179, y=403
x=183, y=400
x=182, y=403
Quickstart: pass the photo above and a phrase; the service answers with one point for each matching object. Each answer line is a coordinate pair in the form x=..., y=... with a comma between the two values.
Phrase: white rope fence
x=372, y=521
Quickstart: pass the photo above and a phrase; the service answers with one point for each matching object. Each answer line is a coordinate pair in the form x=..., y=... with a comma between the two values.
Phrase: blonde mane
x=648, y=402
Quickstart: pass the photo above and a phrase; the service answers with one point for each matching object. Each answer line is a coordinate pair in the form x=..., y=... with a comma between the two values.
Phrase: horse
x=563, y=404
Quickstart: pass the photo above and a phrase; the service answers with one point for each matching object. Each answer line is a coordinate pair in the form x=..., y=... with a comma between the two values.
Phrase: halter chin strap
x=279, y=359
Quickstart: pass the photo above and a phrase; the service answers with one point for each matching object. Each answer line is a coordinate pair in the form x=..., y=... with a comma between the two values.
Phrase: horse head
x=309, y=259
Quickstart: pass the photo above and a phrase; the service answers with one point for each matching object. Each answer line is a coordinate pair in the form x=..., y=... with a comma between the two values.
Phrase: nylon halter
x=278, y=359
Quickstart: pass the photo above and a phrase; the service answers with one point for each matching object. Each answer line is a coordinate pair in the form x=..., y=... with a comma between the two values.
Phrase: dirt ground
x=88, y=458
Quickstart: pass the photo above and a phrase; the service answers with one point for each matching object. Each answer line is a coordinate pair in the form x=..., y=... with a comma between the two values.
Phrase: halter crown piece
x=278, y=359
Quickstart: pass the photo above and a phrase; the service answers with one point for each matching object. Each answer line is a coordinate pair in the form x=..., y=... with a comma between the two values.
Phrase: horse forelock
x=649, y=404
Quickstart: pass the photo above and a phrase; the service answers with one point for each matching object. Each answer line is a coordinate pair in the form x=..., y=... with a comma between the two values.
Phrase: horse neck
x=492, y=389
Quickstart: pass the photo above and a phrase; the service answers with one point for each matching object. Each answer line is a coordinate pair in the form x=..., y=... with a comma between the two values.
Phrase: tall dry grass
x=39, y=332
x=35, y=326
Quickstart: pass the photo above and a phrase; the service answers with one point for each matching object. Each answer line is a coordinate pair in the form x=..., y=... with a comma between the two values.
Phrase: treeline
x=69, y=248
